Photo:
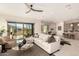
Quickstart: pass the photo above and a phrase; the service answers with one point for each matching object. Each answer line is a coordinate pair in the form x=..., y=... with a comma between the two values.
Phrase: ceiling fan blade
x=29, y=6
x=28, y=11
x=36, y=10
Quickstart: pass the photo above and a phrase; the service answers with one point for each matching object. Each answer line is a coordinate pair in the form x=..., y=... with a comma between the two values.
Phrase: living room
x=19, y=22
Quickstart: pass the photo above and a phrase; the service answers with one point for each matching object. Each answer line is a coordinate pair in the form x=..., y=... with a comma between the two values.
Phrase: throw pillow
x=36, y=35
x=51, y=39
x=22, y=43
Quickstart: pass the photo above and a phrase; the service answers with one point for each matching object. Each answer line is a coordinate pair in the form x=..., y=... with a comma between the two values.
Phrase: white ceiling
x=52, y=11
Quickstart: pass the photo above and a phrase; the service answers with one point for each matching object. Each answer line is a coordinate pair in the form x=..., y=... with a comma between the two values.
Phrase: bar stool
x=72, y=36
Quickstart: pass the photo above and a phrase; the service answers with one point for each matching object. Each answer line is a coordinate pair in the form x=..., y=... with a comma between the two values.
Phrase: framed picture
x=59, y=27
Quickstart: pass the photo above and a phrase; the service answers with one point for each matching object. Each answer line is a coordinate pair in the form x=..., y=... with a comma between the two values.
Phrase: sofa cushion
x=44, y=37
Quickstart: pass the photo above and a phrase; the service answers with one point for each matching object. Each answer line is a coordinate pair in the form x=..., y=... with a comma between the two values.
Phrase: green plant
x=2, y=31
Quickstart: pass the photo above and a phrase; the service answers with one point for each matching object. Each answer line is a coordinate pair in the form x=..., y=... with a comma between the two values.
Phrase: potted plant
x=2, y=31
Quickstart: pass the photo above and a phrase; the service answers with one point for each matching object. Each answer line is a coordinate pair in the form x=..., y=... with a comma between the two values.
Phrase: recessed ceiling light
x=71, y=25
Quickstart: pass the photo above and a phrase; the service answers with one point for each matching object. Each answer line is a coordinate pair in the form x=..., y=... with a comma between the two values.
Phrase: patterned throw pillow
x=51, y=39
x=22, y=43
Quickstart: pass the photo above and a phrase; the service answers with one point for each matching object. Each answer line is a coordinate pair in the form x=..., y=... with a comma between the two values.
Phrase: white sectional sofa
x=48, y=47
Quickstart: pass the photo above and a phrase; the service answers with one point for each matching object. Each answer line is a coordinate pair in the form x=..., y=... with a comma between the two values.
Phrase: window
x=45, y=29
x=20, y=30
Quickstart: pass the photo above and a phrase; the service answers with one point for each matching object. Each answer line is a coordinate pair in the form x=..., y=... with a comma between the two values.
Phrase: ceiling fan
x=32, y=9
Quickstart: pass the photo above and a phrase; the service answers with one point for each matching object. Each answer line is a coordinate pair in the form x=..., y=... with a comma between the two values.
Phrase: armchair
x=10, y=42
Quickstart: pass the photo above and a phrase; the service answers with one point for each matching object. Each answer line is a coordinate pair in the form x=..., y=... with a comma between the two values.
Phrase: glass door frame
x=23, y=26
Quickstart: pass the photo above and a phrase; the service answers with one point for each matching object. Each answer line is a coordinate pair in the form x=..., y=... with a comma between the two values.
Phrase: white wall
x=37, y=23
x=3, y=22
x=51, y=25
x=37, y=27
x=3, y=25
x=60, y=32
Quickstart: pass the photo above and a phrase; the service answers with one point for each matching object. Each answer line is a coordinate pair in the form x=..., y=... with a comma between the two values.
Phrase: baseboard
x=51, y=54
x=56, y=51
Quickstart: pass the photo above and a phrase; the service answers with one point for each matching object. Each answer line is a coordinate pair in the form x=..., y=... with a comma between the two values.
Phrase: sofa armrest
x=51, y=47
x=57, y=38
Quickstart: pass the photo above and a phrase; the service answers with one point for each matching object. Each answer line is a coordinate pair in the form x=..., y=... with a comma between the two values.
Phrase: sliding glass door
x=27, y=30
x=20, y=30
x=11, y=29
